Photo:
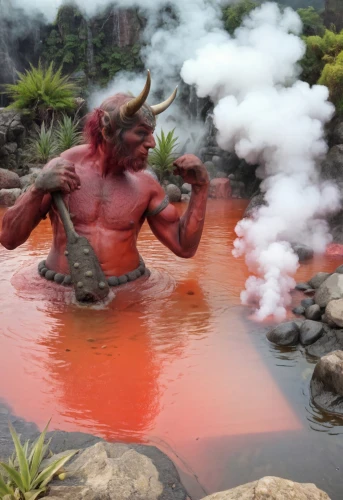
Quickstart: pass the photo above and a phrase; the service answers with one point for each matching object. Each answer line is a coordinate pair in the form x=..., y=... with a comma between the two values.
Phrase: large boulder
x=334, y=312
x=330, y=289
x=115, y=471
x=272, y=488
x=284, y=334
x=303, y=251
x=310, y=331
x=220, y=188
x=330, y=340
x=8, y=179
x=173, y=192
x=327, y=383
x=318, y=279
x=8, y=197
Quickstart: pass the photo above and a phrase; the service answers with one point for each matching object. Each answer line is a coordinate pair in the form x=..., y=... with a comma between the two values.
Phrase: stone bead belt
x=65, y=279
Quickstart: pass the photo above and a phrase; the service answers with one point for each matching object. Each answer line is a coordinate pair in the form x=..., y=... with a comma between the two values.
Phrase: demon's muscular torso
x=109, y=193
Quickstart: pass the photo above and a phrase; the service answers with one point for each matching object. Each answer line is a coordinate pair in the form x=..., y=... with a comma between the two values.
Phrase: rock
x=238, y=189
x=8, y=197
x=272, y=488
x=307, y=302
x=310, y=331
x=330, y=289
x=115, y=471
x=186, y=188
x=327, y=383
x=310, y=291
x=298, y=310
x=173, y=192
x=8, y=179
x=220, y=189
x=211, y=169
x=303, y=251
x=231, y=177
x=313, y=312
x=220, y=175
x=255, y=203
x=302, y=286
x=318, y=279
x=339, y=269
x=284, y=334
x=331, y=340
x=332, y=166
x=185, y=198
x=334, y=312
x=328, y=321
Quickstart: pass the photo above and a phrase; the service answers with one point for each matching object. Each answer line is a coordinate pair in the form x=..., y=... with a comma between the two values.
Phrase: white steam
x=267, y=117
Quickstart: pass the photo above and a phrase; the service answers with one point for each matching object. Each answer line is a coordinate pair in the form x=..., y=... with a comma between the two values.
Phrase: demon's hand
x=192, y=170
x=59, y=175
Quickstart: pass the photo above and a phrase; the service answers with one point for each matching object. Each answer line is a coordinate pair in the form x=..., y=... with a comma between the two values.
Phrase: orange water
x=172, y=360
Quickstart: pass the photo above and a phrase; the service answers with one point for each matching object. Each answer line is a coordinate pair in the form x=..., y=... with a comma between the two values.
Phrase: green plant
x=43, y=147
x=43, y=90
x=234, y=14
x=312, y=21
x=25, y=478
x=163, y=155
x=67, y=134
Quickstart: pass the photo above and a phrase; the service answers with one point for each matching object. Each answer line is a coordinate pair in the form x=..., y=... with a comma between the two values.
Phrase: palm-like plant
x=163, y=155
x=24, y=478
x=43, y=90
x=67, y=134
x=43, y=147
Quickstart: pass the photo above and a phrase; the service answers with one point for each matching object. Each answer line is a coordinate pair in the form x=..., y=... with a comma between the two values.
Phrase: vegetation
x=234, y=14
x=42, y=90
x=323, y=64
x=25, y=477
x=67, y=134
x=163, y=155
x=312, y=21
x=43, y=147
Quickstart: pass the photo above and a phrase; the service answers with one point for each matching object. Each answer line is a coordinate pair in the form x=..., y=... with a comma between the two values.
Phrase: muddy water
x=172, y=360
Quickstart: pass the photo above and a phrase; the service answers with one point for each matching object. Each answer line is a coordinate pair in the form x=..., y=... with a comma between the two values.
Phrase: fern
x=67, y=134
x=163, y=155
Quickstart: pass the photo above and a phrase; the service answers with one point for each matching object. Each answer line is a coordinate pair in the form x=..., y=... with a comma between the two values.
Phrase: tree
x=312, y=22
x=234, y=14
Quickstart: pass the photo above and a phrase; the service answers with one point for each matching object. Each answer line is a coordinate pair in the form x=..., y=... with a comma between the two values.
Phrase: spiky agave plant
x=67, y=134
x=163, y=155
x=43, y=147
x=24, y=477
x=42, y=90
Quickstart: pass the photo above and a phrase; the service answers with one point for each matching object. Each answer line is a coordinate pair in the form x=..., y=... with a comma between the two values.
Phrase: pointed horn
x=131, y=107
x=159, y=108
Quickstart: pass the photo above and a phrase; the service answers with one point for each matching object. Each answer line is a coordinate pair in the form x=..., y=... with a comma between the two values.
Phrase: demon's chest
x=117, y=203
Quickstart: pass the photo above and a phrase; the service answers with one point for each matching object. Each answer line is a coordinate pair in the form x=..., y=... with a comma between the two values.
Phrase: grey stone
x=339, y=269
x=318, y=279
x=185, y=198
x=255, y=203
x=186, y=188
x=310, y=292
x=220, y=175
x=9, y=180
x=50, y=275
x=298, y=310
x=8, y=197
x=302, y=286
x=313, y=312
x=231, y=177
x=310, y=331
x=284, y=334
x=113, y=281
x=27, y=180
x=302, y=251
x=330, y=289
x=173, y=192
x=122, y=279
x=327, y=383
x=58, y=278
x=307, y=302
x=272, y=488
x=334, y=312
x=331, y=340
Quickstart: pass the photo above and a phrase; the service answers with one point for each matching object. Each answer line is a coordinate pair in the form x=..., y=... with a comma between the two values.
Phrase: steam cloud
x=262, y=112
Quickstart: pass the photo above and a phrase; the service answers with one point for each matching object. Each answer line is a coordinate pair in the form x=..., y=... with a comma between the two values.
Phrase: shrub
x=42, y=148
x=67, y=134
x=163, y=155
x=43, y=91
x=24, y=477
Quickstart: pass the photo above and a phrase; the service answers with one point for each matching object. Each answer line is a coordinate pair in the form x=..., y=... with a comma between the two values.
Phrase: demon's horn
x=159, y=108
x=130, y=108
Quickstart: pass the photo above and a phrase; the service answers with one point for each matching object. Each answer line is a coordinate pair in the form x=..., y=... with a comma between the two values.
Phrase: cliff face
x=334, y=14
x=96, y=48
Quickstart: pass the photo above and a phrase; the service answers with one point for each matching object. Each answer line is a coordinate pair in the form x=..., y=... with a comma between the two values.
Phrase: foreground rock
x=8, y=179
x=330, y=289
x=272, y=488
x=327, y=383
x=334, y=312
x=111, y=471
x=8, y=197
x=284, y=334
x=331, y=340
x=173, y=192
x=303, y=252
x=310, y=331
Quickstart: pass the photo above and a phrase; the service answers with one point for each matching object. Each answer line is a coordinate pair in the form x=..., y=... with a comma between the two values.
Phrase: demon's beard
x=127, y=162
